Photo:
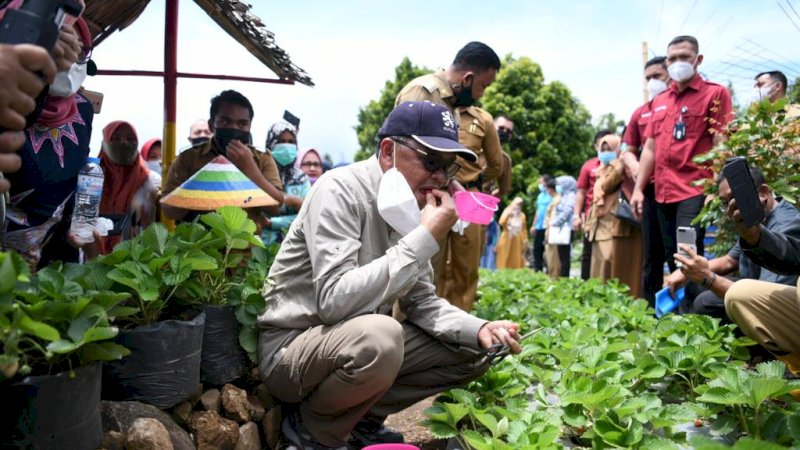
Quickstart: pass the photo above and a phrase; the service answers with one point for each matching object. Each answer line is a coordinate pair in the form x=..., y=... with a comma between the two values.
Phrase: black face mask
x=464, y=96
x=504, y=136
x=223, y=136
x=199, y=140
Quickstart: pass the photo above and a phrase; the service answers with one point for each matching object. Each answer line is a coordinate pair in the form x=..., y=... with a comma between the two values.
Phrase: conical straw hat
x=219, y=183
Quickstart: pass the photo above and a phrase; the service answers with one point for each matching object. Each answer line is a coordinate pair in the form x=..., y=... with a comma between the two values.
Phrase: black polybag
x=223, y=359
x=53, y=411
x=163, y=368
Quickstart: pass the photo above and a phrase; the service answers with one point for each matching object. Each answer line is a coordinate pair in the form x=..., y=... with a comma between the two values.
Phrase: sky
x=351, y=47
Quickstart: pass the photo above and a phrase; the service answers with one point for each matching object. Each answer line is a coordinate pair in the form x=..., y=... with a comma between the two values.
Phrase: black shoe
x=300, y=438
x=368, y=432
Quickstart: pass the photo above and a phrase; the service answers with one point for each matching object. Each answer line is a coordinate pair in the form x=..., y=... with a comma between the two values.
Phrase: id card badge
x=679, y=132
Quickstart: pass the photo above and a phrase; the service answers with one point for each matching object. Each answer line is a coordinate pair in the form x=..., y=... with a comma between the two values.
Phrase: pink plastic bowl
x=391, y=447
x=475, y=207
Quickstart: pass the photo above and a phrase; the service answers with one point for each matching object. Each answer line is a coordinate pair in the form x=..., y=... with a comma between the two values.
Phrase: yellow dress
x=512, y=242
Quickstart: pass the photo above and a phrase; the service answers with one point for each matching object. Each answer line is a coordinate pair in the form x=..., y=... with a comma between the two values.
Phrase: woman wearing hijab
x=616, y=244
x=310, y=162
x=127, y=188
x=513, y=238
x=55, y=150
x=559, y=214
x=151, y=154
x=282, y=143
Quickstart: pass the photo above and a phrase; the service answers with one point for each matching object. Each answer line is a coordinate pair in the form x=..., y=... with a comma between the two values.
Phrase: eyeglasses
x=311, y=164
x=432, y=163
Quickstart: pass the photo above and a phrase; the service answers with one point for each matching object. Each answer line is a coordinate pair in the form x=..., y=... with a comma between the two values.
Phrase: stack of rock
x=240, y=416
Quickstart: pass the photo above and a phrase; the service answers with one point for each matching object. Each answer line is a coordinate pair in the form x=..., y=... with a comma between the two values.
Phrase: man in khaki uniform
x=456, y=265
x=472, y=71
x=230, y=119
x=457, y=87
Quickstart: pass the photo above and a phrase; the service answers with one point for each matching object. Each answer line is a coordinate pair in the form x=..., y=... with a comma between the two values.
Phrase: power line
x=687, y=16
x=793, y=10
x=776, y=64
x=769, y=50
x=658, y=23
x=788, y=16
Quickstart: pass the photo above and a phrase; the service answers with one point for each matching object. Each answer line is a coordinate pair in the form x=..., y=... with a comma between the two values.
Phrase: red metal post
x=170, y=86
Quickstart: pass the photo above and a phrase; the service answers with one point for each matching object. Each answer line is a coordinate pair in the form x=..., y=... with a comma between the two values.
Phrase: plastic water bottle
x=87, y=201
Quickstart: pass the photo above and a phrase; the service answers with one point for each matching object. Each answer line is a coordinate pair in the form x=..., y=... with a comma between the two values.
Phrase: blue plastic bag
x=665, y=302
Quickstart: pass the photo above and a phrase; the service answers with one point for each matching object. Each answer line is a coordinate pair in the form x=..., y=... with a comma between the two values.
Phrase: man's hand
x=695, y=267
x=500, y=332
x=674, y=281
x=293, y=201
x=439, y=214
x=577, y=222
x=532, y=231
x=10, y=142
x=241, y=156
x=67, y=49
x=19, y=68
x=750, y=234
x=90, y=249
x=637, y=204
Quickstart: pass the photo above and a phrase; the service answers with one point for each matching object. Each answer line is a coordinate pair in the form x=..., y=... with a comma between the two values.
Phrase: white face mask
x=655, y=87
x=66, y=84
x=680, y=71
x=760, y=94
x=154, y=165
x=397, y=204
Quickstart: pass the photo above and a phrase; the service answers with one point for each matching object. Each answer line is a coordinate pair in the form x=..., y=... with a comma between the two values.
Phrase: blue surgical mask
x=559, y=189
x=606, y=157
x=542, y=188
x=284, y=154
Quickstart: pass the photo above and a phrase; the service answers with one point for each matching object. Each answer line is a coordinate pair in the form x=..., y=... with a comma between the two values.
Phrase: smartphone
x=745, y=192
x=687, y=236
x=291, y=118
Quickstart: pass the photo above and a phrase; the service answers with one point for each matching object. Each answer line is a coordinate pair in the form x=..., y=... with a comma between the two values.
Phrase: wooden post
x=168, y=142
x=645, y=92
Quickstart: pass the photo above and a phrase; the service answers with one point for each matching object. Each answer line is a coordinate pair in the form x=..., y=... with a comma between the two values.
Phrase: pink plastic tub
x=391, y=447
x=475, y=207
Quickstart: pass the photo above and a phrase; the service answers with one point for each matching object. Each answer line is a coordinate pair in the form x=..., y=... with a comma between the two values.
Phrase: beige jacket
x=340, y=260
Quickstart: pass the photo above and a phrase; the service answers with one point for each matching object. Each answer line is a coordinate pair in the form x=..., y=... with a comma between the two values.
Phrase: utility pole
x=645, y=92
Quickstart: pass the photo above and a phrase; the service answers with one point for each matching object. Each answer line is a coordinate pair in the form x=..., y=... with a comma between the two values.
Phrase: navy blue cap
x=430, y=124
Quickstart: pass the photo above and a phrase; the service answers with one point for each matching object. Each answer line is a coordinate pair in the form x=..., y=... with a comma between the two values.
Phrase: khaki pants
x=456, y=266
x=601, y=259
x=768, y=313
x=371, y=366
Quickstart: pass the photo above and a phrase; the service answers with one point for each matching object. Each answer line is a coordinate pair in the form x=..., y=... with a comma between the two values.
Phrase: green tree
x=371, y=117
x=793, y=92
x=553, y=130
x=610, y=122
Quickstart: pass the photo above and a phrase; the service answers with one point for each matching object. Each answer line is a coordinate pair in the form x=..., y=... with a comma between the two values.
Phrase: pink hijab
x=300, y=157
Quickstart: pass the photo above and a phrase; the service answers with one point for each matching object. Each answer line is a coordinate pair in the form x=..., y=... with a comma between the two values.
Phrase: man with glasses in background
x=363, y=240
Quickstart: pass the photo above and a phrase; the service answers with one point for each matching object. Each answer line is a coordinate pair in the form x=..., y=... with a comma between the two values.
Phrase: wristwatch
x=709, y=281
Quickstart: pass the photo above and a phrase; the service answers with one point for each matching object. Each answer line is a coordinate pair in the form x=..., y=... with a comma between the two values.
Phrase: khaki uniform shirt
x=340, y=260
x=433, y=87
x=195, y=158
x=602, y=223
x=477, y=132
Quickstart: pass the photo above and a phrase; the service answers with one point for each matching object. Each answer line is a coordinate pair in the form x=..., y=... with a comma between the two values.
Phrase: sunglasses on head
x=431, y=163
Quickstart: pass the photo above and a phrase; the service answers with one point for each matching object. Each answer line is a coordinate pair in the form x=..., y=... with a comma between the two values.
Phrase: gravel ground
x=407, y=422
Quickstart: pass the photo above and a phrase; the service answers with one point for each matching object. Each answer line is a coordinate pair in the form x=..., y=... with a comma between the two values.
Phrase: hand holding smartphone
x=686, y=236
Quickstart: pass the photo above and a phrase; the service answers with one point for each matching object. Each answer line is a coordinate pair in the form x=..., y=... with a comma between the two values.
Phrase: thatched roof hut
x=106, y=17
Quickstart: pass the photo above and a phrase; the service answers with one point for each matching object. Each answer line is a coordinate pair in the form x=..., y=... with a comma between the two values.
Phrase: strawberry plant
x=53, y=321
x=605, y=373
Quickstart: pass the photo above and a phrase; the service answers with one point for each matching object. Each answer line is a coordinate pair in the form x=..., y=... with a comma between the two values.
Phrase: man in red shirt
x=689, y=119
x=583, y=202
x=657, y=77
